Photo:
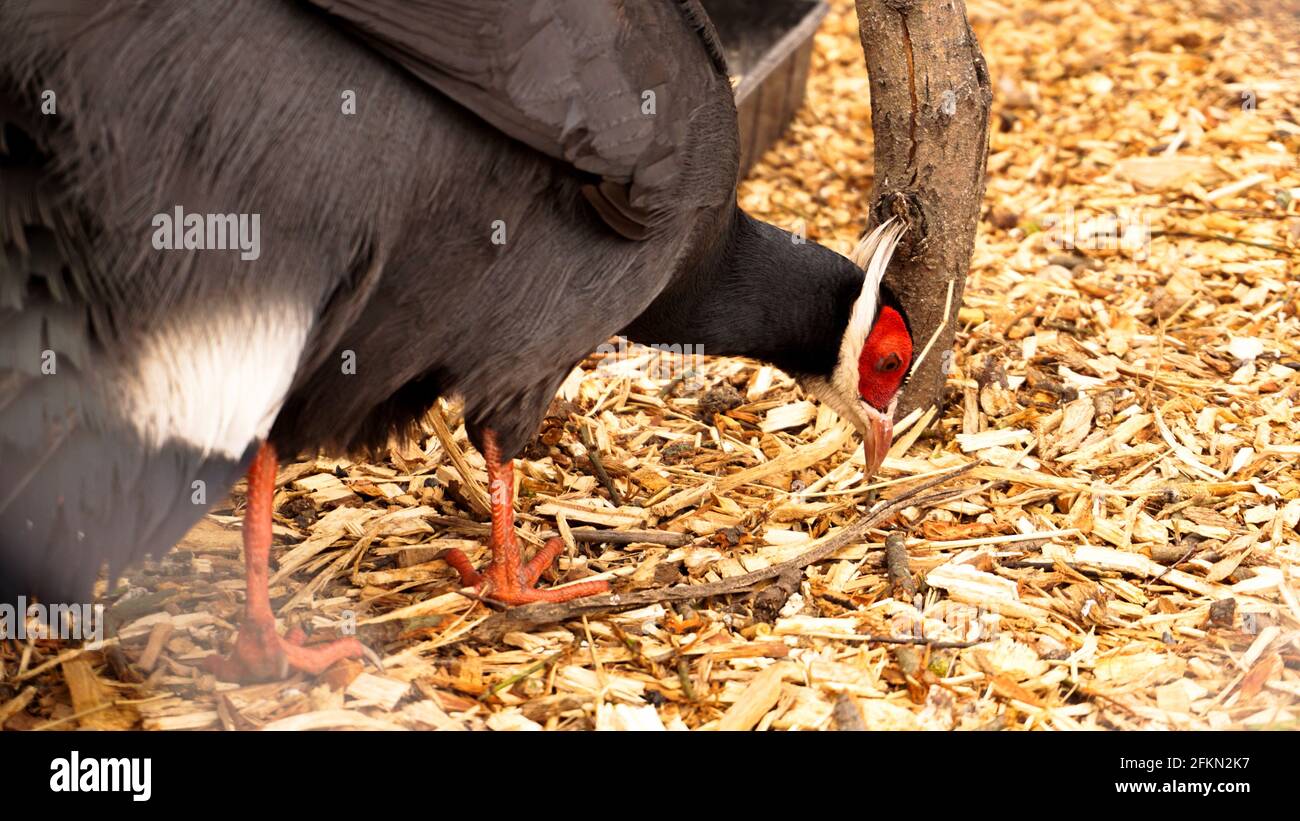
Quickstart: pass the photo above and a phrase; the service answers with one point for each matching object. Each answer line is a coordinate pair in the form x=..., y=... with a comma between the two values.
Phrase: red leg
x=508, y=579
x=260, y=654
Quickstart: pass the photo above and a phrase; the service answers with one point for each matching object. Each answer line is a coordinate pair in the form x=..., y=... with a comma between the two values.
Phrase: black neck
x=758, y=293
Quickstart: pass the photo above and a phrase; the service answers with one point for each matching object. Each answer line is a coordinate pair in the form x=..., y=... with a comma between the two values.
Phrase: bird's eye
x=889, y=364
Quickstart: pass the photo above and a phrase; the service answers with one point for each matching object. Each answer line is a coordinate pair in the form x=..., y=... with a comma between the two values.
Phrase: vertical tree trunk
x=930, y=99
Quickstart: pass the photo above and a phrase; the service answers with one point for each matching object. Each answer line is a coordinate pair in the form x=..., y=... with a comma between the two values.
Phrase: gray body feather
x=376, y=232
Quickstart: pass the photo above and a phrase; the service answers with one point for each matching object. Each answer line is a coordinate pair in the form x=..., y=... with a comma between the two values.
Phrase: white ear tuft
x=861, y=255
x=872, y=255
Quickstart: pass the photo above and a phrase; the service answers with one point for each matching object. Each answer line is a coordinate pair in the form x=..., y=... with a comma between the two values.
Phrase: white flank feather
x=213, y=380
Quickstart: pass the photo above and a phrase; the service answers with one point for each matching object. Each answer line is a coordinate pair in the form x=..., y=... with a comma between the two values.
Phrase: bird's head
x=875, y=354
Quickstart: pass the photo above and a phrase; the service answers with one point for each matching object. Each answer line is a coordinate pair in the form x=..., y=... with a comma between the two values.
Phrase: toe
x=544, y=559
x=261, y=655
x=571, y=591
x=469, y=577
x=527, y=595
x=317, y=658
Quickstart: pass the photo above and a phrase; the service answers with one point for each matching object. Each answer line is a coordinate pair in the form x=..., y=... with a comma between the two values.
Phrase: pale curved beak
x=875, y=427
x=877, y=430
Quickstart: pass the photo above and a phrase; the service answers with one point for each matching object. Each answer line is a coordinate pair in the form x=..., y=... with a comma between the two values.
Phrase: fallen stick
x=541, y=613
x=901, y=584
x=902, y=641
x=624, y=537
x=598, y=466
x=589, y=535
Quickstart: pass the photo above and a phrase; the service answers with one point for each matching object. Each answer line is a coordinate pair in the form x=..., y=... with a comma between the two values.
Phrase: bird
x=234, y=231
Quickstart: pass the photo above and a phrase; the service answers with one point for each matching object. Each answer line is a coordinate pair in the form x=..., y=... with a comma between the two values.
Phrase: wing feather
x=608, y=87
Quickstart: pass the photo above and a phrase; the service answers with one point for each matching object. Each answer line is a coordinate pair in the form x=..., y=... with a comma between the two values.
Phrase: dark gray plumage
x=376, y=235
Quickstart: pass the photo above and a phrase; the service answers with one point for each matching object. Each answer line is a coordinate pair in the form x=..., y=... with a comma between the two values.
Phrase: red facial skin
x=886, y=355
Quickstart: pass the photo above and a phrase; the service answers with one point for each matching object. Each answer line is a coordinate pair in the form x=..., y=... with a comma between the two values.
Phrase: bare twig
x=597, y=466
x=1187, y=555
x=520, y=676
x=533, y=615
x=1223, y=238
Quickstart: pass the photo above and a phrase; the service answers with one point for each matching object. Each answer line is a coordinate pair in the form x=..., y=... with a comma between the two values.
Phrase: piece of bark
x=901, y=583
x=846, y=715
x=769, y=601
x=930, y=101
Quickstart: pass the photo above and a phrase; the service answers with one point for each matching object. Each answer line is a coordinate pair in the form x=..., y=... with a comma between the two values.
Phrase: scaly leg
x=508, y=579
x=260, y=654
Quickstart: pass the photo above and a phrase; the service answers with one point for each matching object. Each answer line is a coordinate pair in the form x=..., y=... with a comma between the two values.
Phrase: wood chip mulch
x=1120, y=552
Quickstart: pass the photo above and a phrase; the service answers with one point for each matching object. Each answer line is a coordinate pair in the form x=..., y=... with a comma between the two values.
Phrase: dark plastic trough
x=769, y=45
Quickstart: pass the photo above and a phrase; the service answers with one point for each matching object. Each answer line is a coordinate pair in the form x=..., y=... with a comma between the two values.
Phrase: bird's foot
x=513, y=583
x=260, y=654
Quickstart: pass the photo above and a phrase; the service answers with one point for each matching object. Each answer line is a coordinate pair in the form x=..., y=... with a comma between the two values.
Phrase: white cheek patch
x=872, y=255
x=214, y=380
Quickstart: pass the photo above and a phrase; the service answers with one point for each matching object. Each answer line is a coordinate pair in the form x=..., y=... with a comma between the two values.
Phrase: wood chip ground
x=1123, y=554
